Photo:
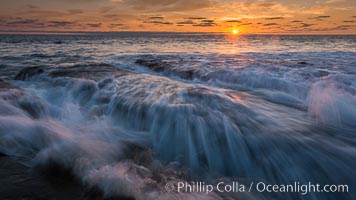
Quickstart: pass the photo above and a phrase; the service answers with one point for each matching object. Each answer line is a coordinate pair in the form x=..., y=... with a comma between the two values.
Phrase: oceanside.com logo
x=236, y=187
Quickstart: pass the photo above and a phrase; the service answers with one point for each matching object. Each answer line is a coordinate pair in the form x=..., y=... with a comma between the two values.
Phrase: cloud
x=186, y=22
x=75, y=11
x=274, y=18
x=197, y=21
x=246, y=24
x=333, y=1
x=196, y=18
x=111, y=15
x=156, y=18
x=336, y=28
x=32, y=6
x=166, y=5
x=43, y=13
x=206, y=23
x=36, y=12
x=116, y=25
x=94, y=25
x=60, y=23
x=86, y=1
x=320, y=17
x=106, y=14
x=233, y=21
x=342, y=27
x=105, y=9
x=267, y=4
x=22, y=22
x=158, y=22
x=35, y=23
x=271, y=24
x=306, y=25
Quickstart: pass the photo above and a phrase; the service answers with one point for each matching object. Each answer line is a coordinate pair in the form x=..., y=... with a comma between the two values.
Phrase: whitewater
x=120, y=115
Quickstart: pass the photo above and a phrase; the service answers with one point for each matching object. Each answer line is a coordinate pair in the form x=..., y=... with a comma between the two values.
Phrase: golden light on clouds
x=255, y=16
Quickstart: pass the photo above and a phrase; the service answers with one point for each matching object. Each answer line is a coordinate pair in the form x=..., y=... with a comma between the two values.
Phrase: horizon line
x=169, y=32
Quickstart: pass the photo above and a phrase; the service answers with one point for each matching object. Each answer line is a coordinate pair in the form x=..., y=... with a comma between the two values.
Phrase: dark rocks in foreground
x=5, y=85
x=162, y=66
x=302, y=63
x=2, y=154
x=155, y=65
x=88, y=71
x=23, y=183
x=93, y=71
x=43, y=182
x=51, y=181
x=28, y=73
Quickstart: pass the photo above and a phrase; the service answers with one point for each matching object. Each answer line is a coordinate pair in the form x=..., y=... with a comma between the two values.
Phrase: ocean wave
x=117, y=115
x=110, y=132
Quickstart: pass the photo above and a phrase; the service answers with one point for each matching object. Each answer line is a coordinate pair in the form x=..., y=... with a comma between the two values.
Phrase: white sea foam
x=276, y=117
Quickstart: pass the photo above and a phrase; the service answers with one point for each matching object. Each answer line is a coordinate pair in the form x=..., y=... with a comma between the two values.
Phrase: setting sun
x=235, y=31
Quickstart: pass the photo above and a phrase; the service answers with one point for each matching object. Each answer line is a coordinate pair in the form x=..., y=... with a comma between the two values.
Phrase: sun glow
x=235, y=31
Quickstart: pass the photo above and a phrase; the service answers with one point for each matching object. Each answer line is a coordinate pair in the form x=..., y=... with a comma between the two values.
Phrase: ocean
x=120, y=115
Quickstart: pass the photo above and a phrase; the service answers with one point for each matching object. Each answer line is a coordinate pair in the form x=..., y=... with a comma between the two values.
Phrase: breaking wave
x=124, y=126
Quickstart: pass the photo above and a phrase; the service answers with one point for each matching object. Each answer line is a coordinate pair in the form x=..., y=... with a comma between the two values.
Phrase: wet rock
x=56, y=173
x=29, y=72
x=9, y=91
x=321, y=73
x=2, y=154
x=160, y=66
x=92, y=71
x=22, y=182
x=188, y=74
x=303, y=63
x=105, y=82
x=4, y=84
x=8, y=72
x=138, y=153
x=155, y=65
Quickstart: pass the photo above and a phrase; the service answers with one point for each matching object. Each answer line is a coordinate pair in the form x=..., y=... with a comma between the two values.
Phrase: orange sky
x=258, y=16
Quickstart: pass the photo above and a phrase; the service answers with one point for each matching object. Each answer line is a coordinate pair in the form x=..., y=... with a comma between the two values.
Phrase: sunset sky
x=259, y=16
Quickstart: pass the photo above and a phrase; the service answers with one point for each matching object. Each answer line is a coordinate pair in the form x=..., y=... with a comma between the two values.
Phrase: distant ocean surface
x=126, y=113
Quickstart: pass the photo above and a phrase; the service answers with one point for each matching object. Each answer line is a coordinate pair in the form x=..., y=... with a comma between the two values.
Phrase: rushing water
x=138, y=110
